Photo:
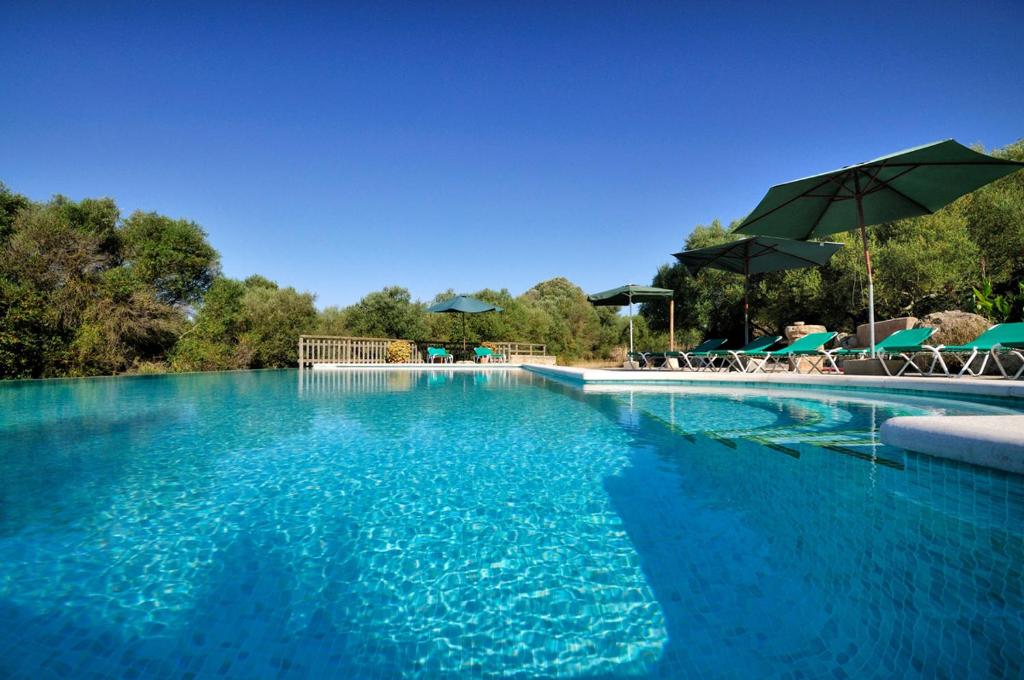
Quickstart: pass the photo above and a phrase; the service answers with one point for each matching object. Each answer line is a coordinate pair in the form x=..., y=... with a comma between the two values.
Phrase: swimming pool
x=404, y=524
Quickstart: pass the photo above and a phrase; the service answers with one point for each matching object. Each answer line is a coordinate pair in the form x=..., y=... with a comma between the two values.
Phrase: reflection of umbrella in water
x=463, y=304
x=627, y=295
x=908, y=183
x=757, y=255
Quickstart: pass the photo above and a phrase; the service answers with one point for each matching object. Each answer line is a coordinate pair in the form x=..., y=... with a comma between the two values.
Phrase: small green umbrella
x=463, y=304
x=908, y=183
x=757, y=255
x=627, y=295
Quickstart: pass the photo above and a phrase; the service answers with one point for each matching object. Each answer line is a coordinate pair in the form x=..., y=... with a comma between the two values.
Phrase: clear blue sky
x=341, y=149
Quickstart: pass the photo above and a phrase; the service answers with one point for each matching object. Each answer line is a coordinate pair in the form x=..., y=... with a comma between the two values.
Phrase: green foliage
x=998, y=308
x=250, y=324
x=170, y=255
x=389, y=313
x=274, y=318
x=10, y=205
x=123, y=324
x=70, y=304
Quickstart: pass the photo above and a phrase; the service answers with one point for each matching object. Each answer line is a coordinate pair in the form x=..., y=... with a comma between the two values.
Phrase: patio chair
x=902, y=344
x=480, y=353
x=1001, y=338
x=699, y=353
x=809, y=346
x=437, y=355
x=734, y=357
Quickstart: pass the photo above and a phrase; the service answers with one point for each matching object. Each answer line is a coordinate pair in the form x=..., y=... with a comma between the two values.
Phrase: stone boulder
x=954, y=327
x=883, y=329
x=799, y=329
x=846, y=340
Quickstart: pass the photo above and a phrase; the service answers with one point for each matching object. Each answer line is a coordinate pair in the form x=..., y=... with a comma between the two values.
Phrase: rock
x=846, y=341
x=954, y=327
x=883, y=329
x=799, y=329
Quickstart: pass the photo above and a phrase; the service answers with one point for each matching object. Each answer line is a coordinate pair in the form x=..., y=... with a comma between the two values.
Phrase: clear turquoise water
x=448, y=525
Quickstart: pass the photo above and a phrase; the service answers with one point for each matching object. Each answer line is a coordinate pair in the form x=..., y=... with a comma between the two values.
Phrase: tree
x=274, y=320
x=125, y=324
x=250, y=324
x=10, y=205
x=575, y=327
x=388, y=313
x=212, y=342
x=170, y=255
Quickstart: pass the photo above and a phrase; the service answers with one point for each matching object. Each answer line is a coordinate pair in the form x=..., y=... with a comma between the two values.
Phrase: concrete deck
x=990, y=441
x=997, y=388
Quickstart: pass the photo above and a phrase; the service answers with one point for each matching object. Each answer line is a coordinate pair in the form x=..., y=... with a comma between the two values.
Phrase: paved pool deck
x=988, y=441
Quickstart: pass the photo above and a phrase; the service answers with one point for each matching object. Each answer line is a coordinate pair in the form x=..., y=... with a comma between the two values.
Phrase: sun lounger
x=482, y=353
x=1001, y=338
x=809, y=346
x=901, y=344
x=437, y=355
x=733, y=358
x=699, y=353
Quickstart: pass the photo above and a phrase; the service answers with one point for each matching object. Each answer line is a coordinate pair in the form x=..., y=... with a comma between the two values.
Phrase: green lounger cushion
x=760, y=344
x=706, y=346
x=906, y=340
x=809, y=344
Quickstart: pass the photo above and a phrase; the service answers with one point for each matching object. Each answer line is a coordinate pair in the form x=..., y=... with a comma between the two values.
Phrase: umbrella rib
x=785, y=203
x=828, y=204
x=794, y=256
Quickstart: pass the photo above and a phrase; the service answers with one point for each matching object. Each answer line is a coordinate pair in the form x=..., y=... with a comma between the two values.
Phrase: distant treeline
x=85, y=291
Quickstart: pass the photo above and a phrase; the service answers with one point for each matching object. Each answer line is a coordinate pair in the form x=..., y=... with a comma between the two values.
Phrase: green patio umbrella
x=463, y=304
x=908, y=183
x=627, y=295
x=757, y=255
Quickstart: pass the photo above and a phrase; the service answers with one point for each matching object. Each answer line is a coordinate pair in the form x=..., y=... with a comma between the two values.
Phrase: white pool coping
x=992, y=441
x=968, y=387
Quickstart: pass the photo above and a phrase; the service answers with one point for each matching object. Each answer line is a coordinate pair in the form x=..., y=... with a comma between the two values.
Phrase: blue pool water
x=439, y=524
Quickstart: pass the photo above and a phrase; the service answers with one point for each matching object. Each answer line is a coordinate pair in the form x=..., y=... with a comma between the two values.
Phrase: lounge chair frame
x=760, y=361
x=1013, y=350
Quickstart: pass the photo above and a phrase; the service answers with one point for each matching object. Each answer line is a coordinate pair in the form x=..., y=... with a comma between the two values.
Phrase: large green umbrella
x=908, y=183
x=757, y=255
x=627, y=295
x=463, y=304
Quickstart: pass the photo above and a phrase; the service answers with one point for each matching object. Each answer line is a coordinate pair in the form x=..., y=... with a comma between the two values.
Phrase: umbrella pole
x=463, y=315
x=867, y=262
x=671, y=325
x=746, y=303
x=631, y=324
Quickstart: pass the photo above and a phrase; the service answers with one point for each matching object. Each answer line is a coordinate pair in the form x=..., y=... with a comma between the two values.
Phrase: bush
x=399, y=352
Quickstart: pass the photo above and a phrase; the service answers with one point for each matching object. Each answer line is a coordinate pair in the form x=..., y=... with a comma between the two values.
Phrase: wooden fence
x=329, y=349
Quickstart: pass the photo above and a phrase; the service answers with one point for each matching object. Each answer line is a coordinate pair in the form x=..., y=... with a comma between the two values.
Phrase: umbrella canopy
x=908, y=183
x=627, y=295
x=757, y=255
x=463, y=304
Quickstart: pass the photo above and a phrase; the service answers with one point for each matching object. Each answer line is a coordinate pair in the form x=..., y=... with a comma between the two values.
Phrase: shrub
x=399, y=352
